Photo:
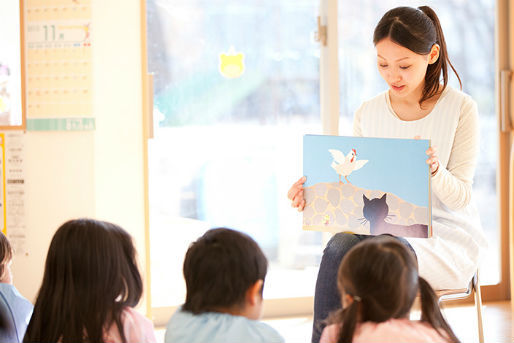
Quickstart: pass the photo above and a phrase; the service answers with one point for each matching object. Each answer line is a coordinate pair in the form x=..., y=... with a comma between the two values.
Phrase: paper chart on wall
x=59, y=65
x=12, y=192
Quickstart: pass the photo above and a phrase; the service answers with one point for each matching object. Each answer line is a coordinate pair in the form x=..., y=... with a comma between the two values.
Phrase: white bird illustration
x=345, y=165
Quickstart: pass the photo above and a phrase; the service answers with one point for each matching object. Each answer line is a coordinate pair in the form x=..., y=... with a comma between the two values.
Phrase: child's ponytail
x=348, y=319
x=432, y=78
x=430, y=311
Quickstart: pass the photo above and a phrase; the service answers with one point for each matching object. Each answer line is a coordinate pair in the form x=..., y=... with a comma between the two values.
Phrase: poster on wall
x=59, y=65
x=11, y=100
x=12, y=189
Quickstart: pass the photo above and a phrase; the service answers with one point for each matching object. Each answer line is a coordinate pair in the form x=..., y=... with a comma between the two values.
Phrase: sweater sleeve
x=452, y=184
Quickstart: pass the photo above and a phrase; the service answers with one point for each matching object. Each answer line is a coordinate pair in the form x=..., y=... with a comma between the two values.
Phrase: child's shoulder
x=218, y=327
x=136, y=327
x=131, y=316
x=399, y=330
x=11, y=295
x=391, y=331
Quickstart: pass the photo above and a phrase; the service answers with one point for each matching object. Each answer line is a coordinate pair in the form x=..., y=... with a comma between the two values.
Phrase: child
x=378, y=281
x=413, y=59
x=224, y=272
x=15, y=310
x=90, y=285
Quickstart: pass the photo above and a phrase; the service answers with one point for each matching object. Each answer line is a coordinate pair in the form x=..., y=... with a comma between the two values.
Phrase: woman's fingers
x=431, y=151
x=432, y=159
x=293, y=192
x=297, y=200
x=295, y=188
x=302, y=205
x=433, y=162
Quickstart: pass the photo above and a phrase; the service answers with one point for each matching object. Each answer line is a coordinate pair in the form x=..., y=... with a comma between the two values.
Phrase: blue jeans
x=326, y=297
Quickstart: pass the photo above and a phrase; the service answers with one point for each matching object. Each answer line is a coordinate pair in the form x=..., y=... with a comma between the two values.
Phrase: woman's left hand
x=432, y=161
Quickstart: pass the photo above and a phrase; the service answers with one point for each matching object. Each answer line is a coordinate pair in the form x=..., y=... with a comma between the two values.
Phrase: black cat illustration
x=376, y=211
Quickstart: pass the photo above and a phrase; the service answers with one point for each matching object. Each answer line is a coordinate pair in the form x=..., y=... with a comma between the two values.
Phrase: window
x=236, y=86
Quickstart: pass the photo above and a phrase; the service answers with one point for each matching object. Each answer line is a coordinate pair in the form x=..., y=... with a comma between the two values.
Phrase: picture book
x=368, y=186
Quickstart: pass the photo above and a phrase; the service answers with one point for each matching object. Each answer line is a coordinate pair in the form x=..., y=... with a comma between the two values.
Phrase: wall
x=97, y=174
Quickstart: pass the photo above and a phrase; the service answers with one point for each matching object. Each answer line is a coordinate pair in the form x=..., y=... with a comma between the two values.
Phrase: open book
x=367, y=185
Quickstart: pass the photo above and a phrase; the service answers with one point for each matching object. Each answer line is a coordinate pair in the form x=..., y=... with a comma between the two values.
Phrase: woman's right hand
x=295, y=194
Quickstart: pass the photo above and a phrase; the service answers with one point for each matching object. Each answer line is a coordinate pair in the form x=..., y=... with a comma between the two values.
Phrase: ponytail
x=434, y=70
x=348, y=319
x=430, y=311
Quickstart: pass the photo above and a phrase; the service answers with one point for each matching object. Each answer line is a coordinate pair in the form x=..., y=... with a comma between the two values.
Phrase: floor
x=497, y=321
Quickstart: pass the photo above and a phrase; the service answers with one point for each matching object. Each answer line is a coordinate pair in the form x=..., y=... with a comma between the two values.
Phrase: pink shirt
x=391, y=331
x=136, y=327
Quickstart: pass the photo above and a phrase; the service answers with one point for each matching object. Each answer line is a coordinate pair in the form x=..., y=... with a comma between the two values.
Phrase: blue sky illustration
x=394, y=165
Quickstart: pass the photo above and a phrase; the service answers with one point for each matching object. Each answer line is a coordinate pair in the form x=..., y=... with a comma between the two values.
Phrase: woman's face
x=402, y=69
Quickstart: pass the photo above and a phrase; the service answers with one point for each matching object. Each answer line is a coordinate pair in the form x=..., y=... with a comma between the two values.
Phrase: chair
x=453, y=294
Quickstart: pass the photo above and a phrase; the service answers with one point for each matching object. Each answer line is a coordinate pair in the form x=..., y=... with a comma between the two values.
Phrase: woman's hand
x=432, y=161
x=295, y=194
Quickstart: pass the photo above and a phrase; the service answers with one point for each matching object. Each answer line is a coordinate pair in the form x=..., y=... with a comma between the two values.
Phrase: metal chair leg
x=478, y=306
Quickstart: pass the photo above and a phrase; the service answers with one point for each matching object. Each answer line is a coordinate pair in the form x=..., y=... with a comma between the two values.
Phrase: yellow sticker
x=232, y=64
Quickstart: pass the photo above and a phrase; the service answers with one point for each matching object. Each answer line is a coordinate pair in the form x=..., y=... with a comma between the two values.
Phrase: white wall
x=96, y=174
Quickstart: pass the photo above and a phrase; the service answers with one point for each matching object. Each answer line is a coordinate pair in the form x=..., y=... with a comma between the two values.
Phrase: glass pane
x=236, y=87
x=471, y=50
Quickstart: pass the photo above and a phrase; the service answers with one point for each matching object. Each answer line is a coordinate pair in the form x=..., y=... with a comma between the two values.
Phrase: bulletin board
x=11, y=70
x=58, y=65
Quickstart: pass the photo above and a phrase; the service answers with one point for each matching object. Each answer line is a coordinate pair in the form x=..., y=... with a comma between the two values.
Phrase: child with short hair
x=378, y=281
x=90, y=285
x=224, y=272
x=15, y=310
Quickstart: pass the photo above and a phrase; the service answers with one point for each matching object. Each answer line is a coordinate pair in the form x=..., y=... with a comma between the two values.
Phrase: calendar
x=58, y=65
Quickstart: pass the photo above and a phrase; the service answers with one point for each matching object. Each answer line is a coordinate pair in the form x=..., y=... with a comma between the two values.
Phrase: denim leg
x=326, y=297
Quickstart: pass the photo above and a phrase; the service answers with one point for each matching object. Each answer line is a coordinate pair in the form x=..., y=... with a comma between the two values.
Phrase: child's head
x=378, y=280
x=90, y=276
x=224, y=272
x=411, y=51
x=6, y=253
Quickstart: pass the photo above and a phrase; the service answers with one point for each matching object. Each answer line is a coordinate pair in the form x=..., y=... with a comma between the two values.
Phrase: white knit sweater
x=450, y=258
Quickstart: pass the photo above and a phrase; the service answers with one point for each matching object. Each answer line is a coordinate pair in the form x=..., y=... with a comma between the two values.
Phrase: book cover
x=366, y=185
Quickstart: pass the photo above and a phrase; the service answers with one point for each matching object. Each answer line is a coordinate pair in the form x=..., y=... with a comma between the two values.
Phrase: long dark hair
x=418, y=30
x=219, y=268
x=381, y=275
x=90, y=277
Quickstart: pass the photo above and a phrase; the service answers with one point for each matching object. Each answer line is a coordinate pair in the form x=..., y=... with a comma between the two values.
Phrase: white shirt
x=450, y=258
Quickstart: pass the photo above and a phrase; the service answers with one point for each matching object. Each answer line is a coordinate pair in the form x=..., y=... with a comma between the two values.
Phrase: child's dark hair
x=418, y=30
x=6, y=253
x=219, y=268
x=381, y=275
x=90, y=276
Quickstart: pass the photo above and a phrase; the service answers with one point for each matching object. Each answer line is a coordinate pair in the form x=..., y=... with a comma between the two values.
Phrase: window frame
x=329, y=102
